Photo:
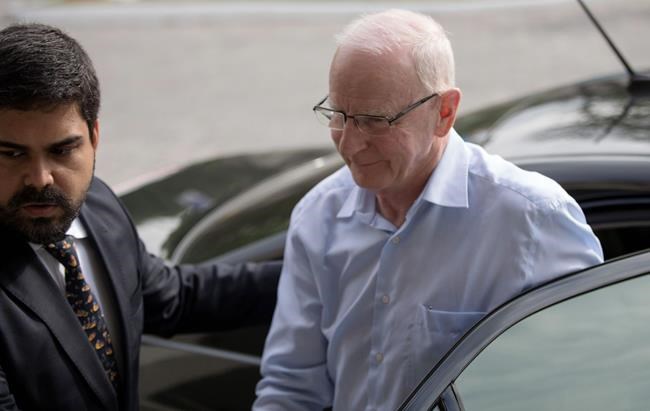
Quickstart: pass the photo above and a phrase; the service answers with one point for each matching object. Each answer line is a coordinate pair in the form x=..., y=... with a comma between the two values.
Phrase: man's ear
x=449, y=103
x=94, y=134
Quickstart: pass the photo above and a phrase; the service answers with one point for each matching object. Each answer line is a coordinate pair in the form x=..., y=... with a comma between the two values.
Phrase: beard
x=41, y=230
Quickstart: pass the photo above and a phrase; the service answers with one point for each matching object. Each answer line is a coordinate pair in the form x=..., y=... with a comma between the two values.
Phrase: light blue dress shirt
x=365, y=309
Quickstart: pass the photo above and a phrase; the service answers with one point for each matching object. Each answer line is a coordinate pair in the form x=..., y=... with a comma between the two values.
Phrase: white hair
x=420, y=35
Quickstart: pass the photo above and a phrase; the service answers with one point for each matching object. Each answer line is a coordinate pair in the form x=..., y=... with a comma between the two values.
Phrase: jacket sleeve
x=206, y=297
x=202, y=297
x=7, y=402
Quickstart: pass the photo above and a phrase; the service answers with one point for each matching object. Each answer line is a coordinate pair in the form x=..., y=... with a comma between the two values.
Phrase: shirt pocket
x=432, y=333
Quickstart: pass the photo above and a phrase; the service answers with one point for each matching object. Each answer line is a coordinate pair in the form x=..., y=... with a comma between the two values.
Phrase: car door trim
x=200, y=350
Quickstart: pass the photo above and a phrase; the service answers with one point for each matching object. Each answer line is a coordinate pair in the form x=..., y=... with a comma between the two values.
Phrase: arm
x=7, y=401
x=186, y=298
x=564, y=242
x=294, y=364
x=190, y=298
x=206, y=297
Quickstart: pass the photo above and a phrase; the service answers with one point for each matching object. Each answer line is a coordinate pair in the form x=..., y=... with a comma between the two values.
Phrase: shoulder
x=494, y=176
x=101, y=199
x=99, y=191
x=327, y=196
x=103, y=204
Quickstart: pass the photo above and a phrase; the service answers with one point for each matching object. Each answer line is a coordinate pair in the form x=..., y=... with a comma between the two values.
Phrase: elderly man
x=77, y=286
x=393, y=257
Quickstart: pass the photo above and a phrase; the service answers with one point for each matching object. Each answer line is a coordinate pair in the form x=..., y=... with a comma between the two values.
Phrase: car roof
x=597, y=118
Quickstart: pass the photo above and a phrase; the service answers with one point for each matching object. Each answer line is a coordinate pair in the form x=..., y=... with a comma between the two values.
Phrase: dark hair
x=41, y=67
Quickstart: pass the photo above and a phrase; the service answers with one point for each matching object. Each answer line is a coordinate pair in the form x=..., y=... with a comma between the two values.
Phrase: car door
x=581, y=342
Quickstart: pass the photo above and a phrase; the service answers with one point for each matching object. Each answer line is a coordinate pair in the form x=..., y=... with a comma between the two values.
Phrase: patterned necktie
x=82, y=301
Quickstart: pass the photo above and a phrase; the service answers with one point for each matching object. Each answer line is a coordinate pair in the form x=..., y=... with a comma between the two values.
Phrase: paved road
x=183, y=83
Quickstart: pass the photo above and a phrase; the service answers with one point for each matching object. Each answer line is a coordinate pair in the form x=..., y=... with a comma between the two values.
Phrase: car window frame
x=432, y=390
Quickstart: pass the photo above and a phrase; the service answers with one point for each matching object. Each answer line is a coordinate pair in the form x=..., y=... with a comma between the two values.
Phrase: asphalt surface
x=185, y=82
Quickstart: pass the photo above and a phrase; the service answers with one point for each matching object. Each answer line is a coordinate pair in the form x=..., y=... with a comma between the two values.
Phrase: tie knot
x=64, y=252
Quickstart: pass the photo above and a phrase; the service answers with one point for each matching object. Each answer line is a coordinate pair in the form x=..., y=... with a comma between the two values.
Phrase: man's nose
x=39, y=174
x=352, y=139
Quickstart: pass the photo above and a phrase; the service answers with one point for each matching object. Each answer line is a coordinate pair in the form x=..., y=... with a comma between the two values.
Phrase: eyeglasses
x=366, y=123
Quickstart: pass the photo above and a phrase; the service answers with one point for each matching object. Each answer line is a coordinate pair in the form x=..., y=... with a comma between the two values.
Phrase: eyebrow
x=64, y=142
x=7, y=144
x=377, y=112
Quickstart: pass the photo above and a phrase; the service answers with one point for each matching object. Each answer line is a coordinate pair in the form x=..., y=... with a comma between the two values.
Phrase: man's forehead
x=382, y=81
x=46, y=125
x=363, y=104
x=68, y=110
x=372, y=97
x=354, y=59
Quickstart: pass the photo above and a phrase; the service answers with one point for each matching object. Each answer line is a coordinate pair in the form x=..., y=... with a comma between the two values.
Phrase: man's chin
x=368, y=181
x=41, y=230
x=39, y=217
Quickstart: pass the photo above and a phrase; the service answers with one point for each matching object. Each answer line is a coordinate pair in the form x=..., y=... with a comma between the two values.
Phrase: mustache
x=48, y=195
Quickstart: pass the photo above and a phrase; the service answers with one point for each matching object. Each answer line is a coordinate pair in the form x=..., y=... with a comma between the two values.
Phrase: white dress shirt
x=366, y=309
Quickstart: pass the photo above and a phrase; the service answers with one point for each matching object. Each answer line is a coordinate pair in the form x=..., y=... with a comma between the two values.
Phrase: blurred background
x=187, y=81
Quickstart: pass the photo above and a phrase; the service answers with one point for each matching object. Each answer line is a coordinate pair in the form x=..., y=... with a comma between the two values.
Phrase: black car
x=578, y=342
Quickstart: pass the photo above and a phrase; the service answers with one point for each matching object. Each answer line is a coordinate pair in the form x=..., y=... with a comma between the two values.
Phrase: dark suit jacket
x=46, y=362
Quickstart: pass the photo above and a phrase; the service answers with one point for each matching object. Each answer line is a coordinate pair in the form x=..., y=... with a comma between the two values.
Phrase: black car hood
x=166, y=209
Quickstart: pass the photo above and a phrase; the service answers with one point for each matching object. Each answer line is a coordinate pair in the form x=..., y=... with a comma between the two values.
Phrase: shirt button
x=396, y=239
x=379, y=357
x=385, y=299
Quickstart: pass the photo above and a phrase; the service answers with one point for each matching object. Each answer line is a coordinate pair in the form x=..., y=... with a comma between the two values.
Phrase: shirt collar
x=447, y=185
x=76, y=230
x=359, y=201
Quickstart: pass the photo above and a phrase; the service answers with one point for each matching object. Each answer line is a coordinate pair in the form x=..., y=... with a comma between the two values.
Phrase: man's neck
x=394, y=205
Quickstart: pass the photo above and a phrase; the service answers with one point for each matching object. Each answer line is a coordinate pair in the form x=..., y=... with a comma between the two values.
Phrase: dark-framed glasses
x=366, y=123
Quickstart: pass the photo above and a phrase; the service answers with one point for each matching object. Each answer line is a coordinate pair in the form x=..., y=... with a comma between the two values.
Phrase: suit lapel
x=29, y=282
x=106, y=246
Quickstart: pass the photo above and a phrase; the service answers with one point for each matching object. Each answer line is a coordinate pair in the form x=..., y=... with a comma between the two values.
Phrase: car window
x=581, y=354
x=617, y=241
x=620, y=220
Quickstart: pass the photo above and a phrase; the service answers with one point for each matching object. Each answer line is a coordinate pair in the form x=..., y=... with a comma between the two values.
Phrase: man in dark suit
x=77, y=286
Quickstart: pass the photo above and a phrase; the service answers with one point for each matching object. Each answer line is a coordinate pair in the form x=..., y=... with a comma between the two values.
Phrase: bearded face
x=44, y=229
x=47, y=160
